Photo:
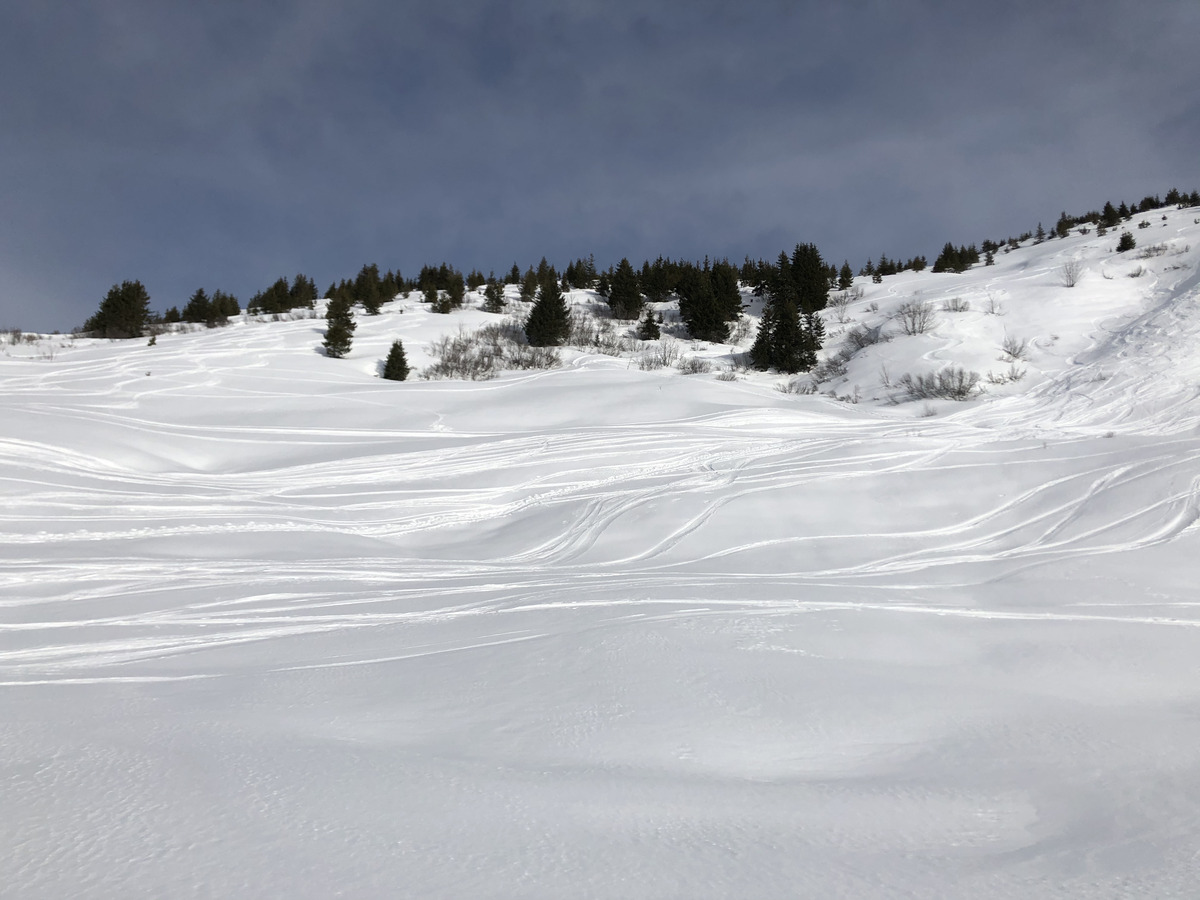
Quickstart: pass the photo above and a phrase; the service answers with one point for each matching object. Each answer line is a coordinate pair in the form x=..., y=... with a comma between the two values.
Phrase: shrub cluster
x=952, y=383
x=484, y=354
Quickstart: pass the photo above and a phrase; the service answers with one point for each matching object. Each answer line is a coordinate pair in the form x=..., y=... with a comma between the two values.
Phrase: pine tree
x=389, y=287
x=339, y=327
x=698, y=307
x=493, y=296
x=650, y=328
x=124, y=312
x=624, y=294
x=783, y=343
x=529, y=285
x=549, y=322
x=366, y=289
x=1126, y=242
x=811, y=278
x=456, y=290
x=302, y=293
x=395, y=368
x=845, y=277
x=198, y=309
x=224, y=307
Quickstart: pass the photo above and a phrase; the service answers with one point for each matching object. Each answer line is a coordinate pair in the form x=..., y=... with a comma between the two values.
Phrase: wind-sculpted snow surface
x=273, y=627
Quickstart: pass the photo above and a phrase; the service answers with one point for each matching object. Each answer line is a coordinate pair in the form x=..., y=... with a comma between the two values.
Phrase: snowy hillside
x=272, y=626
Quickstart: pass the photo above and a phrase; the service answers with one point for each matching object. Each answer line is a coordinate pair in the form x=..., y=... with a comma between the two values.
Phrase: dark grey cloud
x=225, y=144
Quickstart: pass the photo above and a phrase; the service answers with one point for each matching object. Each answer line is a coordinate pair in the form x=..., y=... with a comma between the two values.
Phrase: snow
x=272, y=626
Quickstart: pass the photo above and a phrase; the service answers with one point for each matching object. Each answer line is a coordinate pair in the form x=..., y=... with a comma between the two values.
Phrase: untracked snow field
x=271, y=626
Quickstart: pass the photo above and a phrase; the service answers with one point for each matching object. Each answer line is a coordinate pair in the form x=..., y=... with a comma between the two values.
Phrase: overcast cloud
x=226, y=144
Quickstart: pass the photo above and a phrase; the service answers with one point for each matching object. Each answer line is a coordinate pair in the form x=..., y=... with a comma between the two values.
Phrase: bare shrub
x=1014, y=374
x=597, y=335
x=584, y=329
x=659, y=355
x=1070, y=272
x=484, y=354
x=1152, y=251
x=1137, y=273
x=523, y=356
x=739, y=330
x=952, y=383
x=861, y=337
x=1013, y=349
x=694, y=365
x=727, y=375
x=463, y=356
x=839, y=304
x=956, y=305
x=796, y=386
x=915, y=317
x=831, y=368
x=873, y=306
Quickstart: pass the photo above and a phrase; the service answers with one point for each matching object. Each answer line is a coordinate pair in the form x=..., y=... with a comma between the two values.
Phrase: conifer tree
x=783, y=343
x=389, y=287
x=395, y=368
x=650, y=328
x=224, y=306
x=624, y=294
x=529, y=285
x=339, y=327
x=455, y=291
x=811, y=278
x=198, y=309
x=493, y=295
x=549, y=322
x=302, y=293
x=845, y=277
x=366, y=289
x=124, y=312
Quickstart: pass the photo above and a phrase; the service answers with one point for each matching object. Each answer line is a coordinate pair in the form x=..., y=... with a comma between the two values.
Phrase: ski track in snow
x=266, y=629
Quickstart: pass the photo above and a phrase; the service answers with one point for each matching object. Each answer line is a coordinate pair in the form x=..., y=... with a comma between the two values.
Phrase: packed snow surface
x=272, y=626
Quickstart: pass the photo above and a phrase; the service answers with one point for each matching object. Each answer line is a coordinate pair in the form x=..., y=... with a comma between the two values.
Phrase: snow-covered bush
x=952, y=383
x=1013, y=349
x=484, y=354
x=694, y=365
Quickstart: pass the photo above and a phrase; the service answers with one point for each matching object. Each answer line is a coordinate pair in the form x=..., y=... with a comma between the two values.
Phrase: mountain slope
x=273, y=625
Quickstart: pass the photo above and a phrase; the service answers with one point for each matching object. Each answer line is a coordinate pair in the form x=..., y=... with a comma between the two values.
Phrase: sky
x=226, y=144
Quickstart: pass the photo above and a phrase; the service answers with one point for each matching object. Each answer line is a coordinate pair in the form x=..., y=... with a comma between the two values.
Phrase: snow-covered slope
x=272, y=626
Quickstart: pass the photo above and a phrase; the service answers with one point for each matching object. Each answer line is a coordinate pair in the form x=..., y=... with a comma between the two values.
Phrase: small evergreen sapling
x=493, y=296
x=1126, y=242
x=650, y=328
x=395, y=368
